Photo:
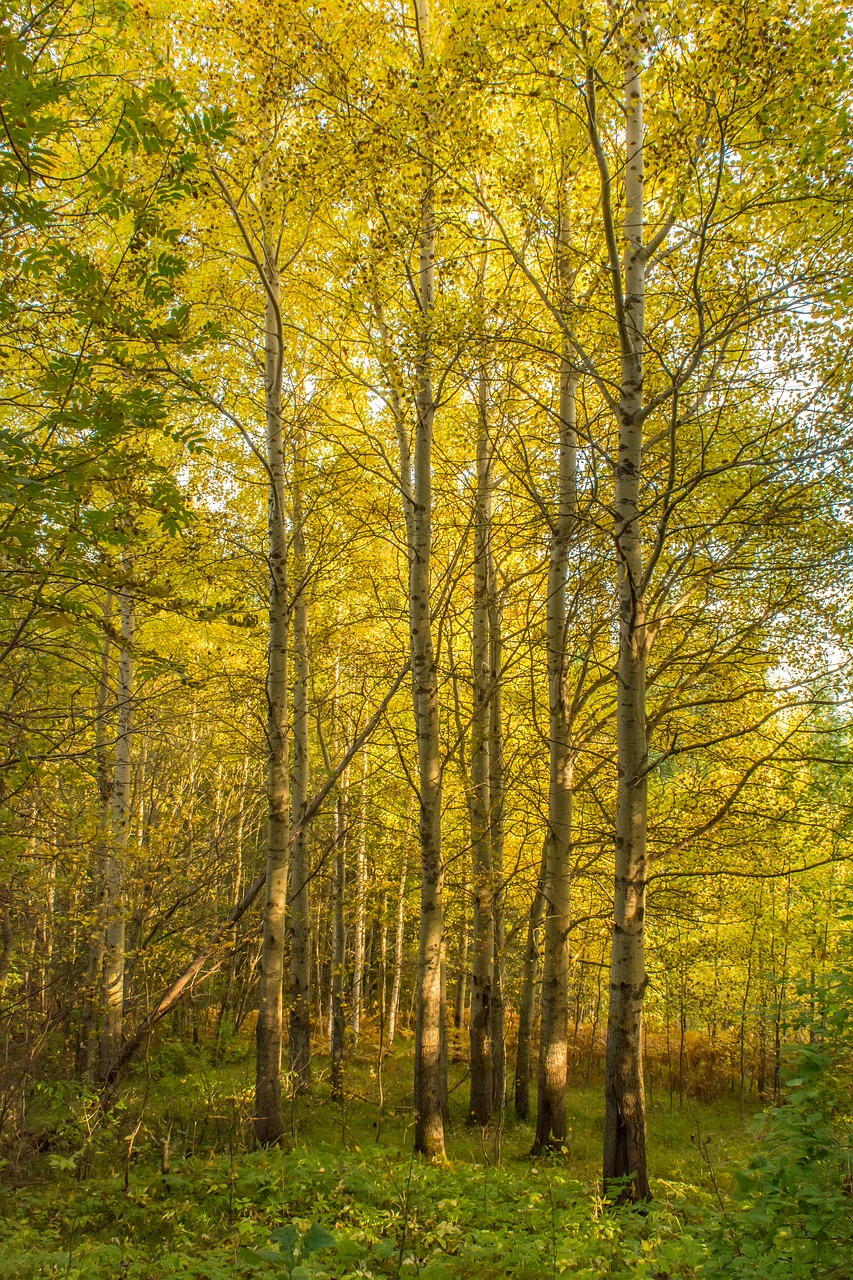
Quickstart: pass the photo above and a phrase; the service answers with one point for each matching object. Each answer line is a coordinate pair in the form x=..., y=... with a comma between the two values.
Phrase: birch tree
x=115, y=902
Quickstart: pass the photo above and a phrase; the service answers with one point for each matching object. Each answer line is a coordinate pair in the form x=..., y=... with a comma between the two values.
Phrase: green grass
x=88, y=1209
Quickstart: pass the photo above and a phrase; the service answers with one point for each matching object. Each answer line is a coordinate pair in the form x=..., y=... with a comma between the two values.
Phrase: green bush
x=791, y=1213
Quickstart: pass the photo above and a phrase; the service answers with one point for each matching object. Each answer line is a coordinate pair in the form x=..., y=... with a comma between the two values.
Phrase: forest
x=426, y=639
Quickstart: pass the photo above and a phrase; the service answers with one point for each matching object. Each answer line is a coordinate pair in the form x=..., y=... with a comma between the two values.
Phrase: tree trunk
x=300, y=902
x=338, y=1013
x=114, y=878
x=527, y=1003
x=461, y=998
x=238, y=888
x=496, y=830
x=399, y=936
x=625, y=1118
x=7, y=938
x=480, y=1105
x=429, y=1084
x=360, y=906
x=553, y=1039
x=92, y=994
x=268, y=1112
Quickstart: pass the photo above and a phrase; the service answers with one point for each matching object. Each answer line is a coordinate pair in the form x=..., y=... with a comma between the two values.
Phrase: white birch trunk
x=399, y=935
x=496, y=827
x=625, y=1121
x=300, y=903
x=360, y=907
x=92, y=995
x=337, y=1020
x=553, y=1039
x=429, y=1059
x=115, y=906
x=268, y=1118
x=480, y=1104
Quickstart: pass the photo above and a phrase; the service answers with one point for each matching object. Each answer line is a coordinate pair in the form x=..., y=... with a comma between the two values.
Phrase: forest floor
x=344, y=1196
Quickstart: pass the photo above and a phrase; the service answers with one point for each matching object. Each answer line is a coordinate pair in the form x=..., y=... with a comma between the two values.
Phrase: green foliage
x=342, y=1214
x=791, y=1214
x=96, y=1205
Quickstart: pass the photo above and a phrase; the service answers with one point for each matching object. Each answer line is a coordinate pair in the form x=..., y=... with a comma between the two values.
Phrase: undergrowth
x=167, y=1186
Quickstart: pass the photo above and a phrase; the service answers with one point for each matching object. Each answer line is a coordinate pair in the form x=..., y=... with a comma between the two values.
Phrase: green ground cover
x=344, y=1197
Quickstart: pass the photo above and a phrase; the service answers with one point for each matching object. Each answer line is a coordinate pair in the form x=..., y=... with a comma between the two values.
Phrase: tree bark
x=527, y=1002
x=461, y=998
x=496, y=834
x=553, y=1039
x=268, y=1120
x=115, y=905
x=480, y=1104
x=399, y=935
x=337, y=1028
x=300, y=901
x=430, y=1086
x=625, y=1121
x=360, y=907
x=7, y=939
x=92, y=994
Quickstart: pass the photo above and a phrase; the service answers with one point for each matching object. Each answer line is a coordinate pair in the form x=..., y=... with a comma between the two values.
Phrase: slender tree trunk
x=382, y=967
x=238, y=890
x=115, y=906
x=461, y=999
x=625, y=1111
x=268, y=1110
x=430, y=1086
x=338, y=1014
x=496, y=829
x=7, y=938
x=300, y=903
x=360, y=906
x=92, y=994
x=527, y=1003
x=480, y=1105
x=399, y=936
x=443, y=1045
x=553, y=1039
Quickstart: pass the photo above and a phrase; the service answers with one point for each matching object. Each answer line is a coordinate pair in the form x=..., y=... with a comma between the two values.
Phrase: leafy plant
x=295, y=1248
x=792, y=1209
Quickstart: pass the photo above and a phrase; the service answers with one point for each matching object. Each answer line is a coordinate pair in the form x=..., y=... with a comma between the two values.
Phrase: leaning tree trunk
x=300, y=902
x=625, y=1118
x=268, y=1110
x=430, y=1084
x=480, y=1105
x=114, y=872
x=553, y=1039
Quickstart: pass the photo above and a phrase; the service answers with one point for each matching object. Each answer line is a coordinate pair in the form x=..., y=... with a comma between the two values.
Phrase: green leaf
x=286, y=1237
x=317, y=1238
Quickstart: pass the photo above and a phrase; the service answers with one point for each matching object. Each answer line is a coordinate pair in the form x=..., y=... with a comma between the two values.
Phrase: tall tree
x=430, y=1084
x=553, y=1034
x=268, y=1111
x=482, y=974
x=115, y=901
x=300, y=898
